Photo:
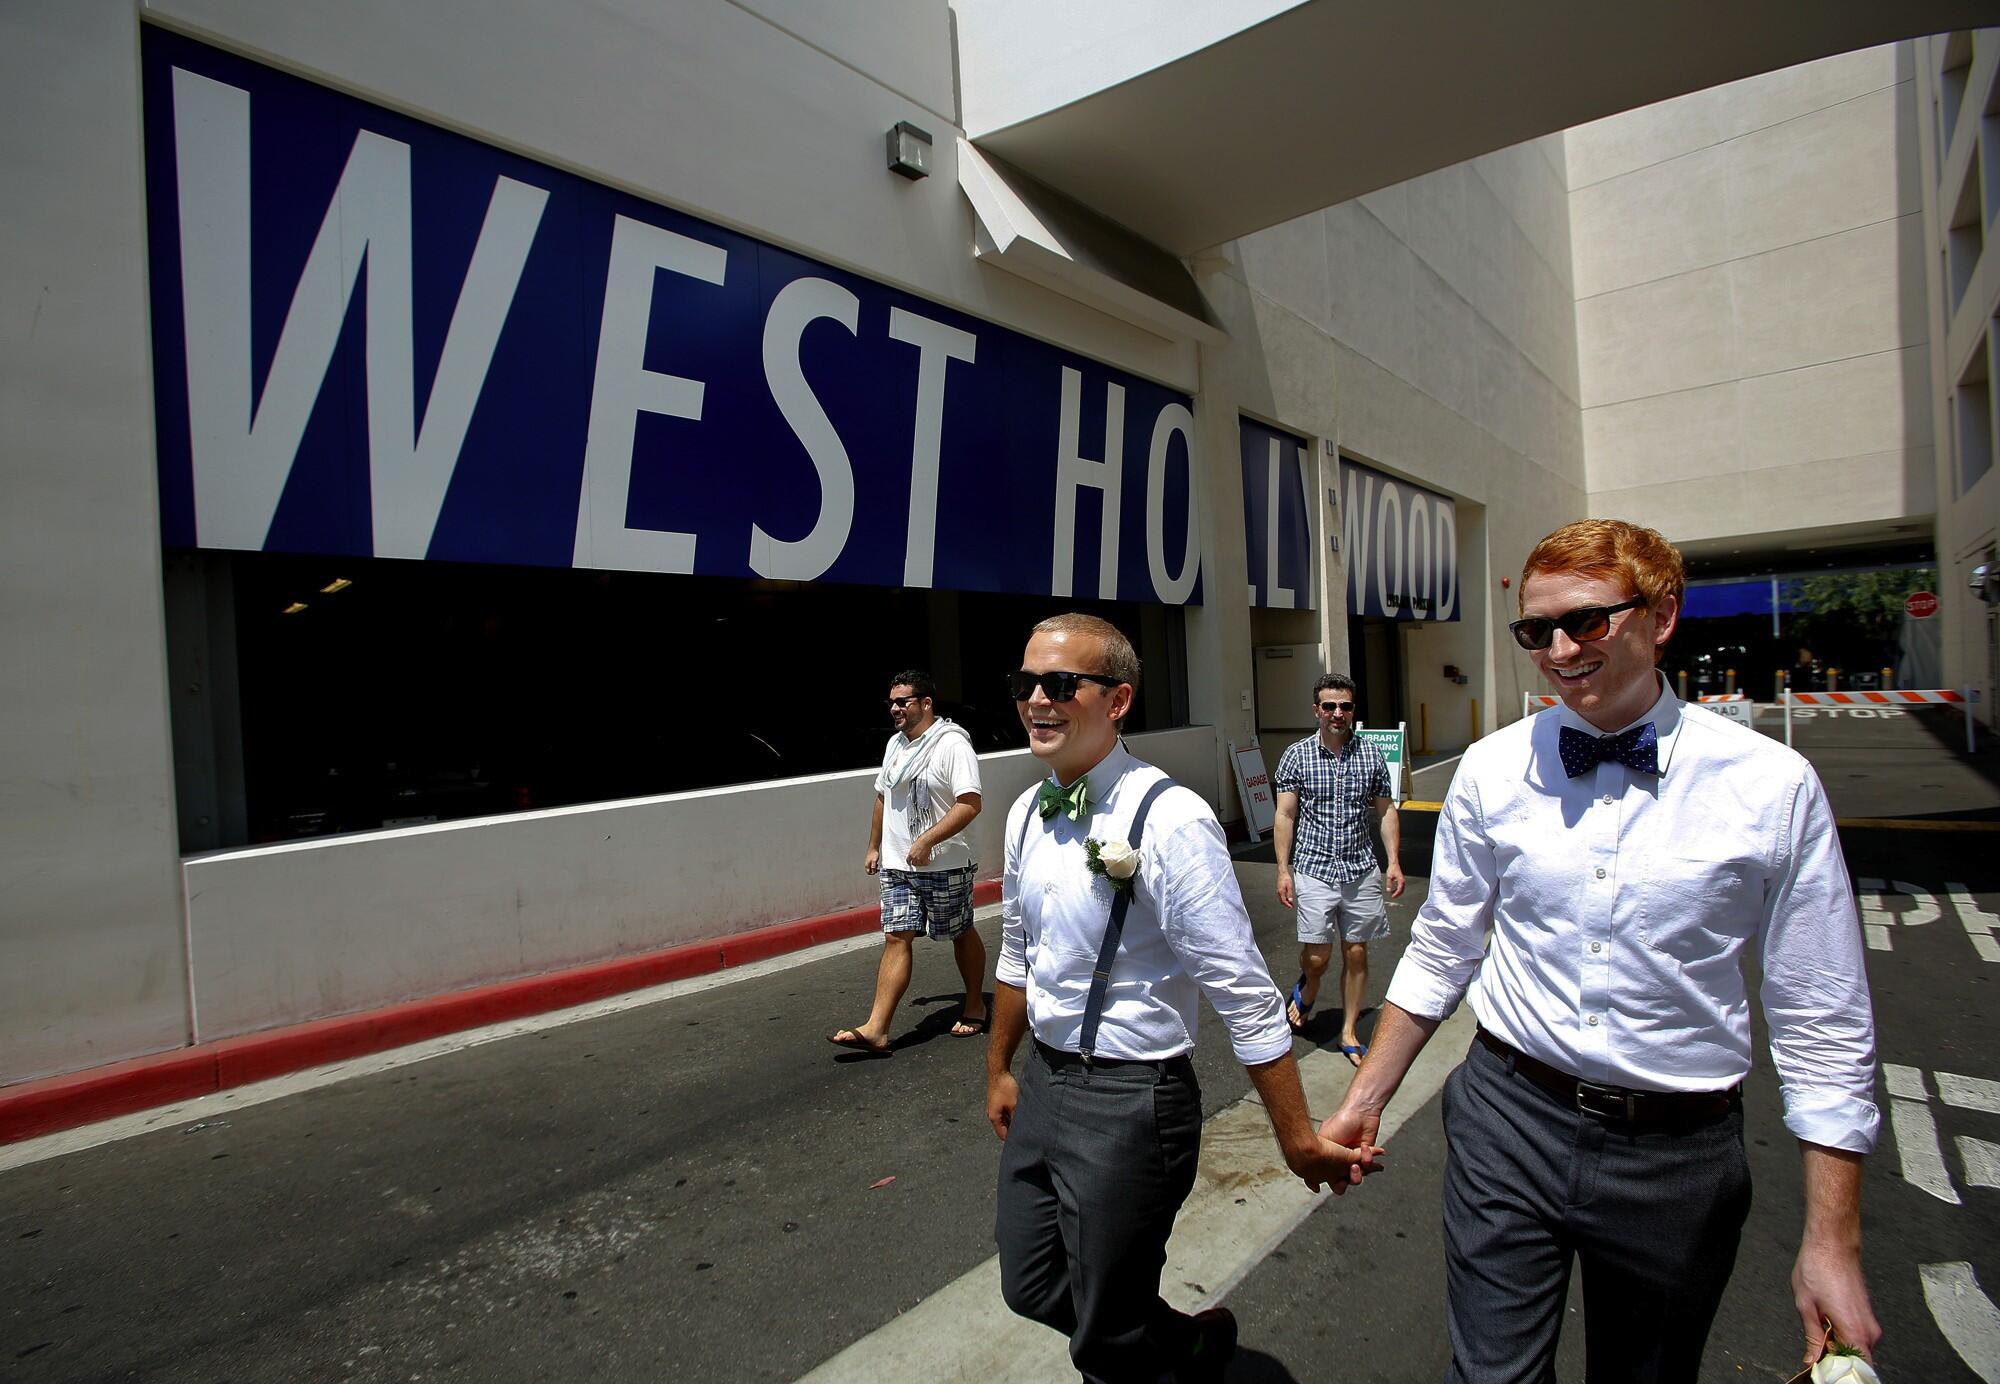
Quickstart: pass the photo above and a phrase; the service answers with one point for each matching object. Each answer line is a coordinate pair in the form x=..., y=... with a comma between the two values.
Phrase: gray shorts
x=1353, y=912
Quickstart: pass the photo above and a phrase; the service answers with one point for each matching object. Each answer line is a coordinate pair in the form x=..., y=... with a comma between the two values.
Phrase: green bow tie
x=1073, y=802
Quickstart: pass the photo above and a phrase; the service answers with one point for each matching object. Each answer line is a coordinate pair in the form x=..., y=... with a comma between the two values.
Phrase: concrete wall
x=1428, y=330
x=1957, y=83
x=286, y=933
x=1750, y=309
x=90, y=918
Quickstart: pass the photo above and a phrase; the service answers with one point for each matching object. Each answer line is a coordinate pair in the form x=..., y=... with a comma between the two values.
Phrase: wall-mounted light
x=909, y=150
x=337, y=584
x=295, y=607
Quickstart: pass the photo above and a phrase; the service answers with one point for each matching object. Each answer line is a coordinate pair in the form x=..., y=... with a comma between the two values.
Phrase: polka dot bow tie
x=1638, y=749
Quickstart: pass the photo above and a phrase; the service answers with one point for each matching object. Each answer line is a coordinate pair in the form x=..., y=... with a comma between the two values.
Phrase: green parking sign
x=1390, y=743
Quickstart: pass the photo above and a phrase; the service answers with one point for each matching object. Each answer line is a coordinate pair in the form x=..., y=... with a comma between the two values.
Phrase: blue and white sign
x=1402, y=547
x=375, y=337
x=1277, y=517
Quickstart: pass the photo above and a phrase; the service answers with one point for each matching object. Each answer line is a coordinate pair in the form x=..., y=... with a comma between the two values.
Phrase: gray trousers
x=1532, y=1185
x=1094, y=1170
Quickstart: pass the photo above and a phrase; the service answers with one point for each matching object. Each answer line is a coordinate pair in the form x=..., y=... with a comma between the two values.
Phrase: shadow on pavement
x=1255, y=1367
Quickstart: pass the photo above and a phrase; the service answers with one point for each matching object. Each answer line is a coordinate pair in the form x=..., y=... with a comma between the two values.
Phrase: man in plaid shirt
x=1328, y=785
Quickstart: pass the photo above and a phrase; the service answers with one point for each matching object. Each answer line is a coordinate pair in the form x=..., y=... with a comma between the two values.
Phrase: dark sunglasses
x=1336, y=706
x=904, y=701
x=1057, y=687
x=1583, y=624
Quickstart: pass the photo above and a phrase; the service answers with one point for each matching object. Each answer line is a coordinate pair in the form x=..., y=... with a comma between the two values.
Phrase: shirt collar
x=1665, y=714
x=1105, y=774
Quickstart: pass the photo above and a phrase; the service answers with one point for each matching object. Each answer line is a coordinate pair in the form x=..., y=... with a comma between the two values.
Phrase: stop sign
x=1921, y=605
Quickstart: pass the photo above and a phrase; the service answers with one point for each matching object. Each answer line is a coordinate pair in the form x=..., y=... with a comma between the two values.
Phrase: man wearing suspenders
x=1118, y=908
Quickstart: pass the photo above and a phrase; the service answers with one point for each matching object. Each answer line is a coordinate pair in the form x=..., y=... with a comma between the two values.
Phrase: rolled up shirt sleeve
x=1449, y=935
x=1203, y=919
x=1011, y=966
x=1816, y=1000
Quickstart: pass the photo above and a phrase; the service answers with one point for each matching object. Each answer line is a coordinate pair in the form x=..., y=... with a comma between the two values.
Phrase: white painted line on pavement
x=1982, y=1161
x=1981, y=927
x=1965, y=1315
x=1907, y=1082
x=1917, y=1146
x=218, y=1104
x=1441, y=764
x=964, y=1332
x=1969, y=1092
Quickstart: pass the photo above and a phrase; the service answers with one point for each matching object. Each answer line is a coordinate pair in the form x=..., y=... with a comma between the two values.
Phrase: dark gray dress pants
x=1094, y=1170
x=1532, y=1185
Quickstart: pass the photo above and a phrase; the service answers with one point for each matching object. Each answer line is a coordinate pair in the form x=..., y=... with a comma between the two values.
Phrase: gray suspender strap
x=1121, y=899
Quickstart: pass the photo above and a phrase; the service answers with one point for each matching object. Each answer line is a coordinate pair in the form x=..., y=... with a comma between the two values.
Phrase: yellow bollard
x=1683, y=677
x=1889, y=678
x=1475, y=719
x=1833, y=679
x=1729, y=680
x=1423, y=728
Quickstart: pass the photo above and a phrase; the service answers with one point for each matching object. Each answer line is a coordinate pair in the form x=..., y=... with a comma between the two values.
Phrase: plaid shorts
x=935, y=902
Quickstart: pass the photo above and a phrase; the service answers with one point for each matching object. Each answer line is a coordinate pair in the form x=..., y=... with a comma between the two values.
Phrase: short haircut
x=1334, y=682
x=1120, y=661
x=917, y=680
x=1638, y=557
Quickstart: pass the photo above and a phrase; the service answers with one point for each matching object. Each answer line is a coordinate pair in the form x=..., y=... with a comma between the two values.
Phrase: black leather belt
x=1617, y=1104
x=1057, y=1058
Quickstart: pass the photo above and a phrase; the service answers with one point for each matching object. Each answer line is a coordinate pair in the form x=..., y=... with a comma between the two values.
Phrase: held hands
x=1336, y=1166
x=1287, y=895
x=1354, y=1132
x=1003, y=1093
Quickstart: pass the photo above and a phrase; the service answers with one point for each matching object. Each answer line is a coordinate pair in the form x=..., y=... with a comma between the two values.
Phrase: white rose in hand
x=1119, y=860
x=1844, y=1369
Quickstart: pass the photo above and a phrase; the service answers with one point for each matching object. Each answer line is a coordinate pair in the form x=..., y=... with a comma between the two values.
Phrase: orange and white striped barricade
x=1732, y=706
x=1531, y=702
x=1898, y=697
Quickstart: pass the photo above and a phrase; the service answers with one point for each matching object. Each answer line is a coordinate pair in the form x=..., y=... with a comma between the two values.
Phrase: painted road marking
x=1907, y=1082
x=1969, y=1092
x=1981, y=927
x=1918, y=1148
x=1982, y=1161
x=1965, y=1315
x=1245, y=1202
x=1877, y=918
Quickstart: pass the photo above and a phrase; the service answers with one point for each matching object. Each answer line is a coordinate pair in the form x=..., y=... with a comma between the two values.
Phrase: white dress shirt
x=1620, y=906
x=1186, y=931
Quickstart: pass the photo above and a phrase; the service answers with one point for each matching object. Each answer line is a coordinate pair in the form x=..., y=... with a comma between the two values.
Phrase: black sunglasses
x=1583, y=624
x=1336, y=706
x=904, y=701
x=1057, y=687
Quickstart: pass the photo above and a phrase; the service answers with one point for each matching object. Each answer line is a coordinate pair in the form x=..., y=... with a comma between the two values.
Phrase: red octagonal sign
x=1921, y=605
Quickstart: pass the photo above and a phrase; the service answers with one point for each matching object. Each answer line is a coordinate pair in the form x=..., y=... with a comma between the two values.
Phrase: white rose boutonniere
x=1844, y=1369
x=1115, y=860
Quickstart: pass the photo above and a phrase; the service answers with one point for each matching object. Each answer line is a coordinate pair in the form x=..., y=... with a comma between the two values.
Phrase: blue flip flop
x=1305, y=1010
x=1354, y=1052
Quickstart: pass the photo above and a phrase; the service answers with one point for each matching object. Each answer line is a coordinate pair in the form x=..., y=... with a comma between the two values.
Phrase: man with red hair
x=1624, y=853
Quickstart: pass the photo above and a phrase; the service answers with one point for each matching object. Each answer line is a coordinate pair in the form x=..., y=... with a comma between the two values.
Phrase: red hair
x=1638, y=557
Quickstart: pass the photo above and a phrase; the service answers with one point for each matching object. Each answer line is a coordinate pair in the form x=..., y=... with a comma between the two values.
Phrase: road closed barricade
x=1894, y=699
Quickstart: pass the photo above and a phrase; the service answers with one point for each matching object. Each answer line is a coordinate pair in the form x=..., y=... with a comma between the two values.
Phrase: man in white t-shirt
x=925, y=797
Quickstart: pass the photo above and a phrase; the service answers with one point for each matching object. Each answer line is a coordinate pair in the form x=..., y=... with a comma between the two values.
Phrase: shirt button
x=1607, y=800
x=1600, y=872
x=1597, y=946
x=1592, y=1021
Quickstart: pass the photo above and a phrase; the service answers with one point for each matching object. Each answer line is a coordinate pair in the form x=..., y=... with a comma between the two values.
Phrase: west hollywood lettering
x=375, y=337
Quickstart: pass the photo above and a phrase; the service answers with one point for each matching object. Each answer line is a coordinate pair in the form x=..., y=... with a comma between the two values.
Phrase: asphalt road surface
x=693, y=1188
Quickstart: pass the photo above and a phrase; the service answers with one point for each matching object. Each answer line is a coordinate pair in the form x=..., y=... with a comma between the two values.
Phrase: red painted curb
x=119, y=1088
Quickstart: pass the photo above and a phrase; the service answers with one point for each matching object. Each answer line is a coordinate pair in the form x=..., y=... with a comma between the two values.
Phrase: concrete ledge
x=77, y=1098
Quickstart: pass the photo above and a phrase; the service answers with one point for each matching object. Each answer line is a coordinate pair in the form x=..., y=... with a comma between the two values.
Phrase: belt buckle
x=1604, y=1102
